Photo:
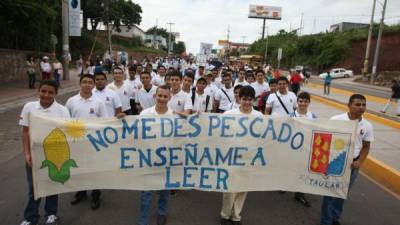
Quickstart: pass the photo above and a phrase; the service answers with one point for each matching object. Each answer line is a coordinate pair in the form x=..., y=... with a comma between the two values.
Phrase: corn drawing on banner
x=208, y=152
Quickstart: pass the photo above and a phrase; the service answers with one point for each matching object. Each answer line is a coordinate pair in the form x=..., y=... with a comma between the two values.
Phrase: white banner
x=74, y=12
x=205, y=49
x=208, y=152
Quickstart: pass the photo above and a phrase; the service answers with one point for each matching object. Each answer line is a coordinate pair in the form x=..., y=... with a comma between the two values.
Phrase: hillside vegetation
x=319, y=51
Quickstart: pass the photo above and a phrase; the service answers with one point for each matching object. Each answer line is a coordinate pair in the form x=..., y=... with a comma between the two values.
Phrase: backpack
x=194, y=96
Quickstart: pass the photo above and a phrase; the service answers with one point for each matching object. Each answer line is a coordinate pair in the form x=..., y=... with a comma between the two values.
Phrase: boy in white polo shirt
x=282, y=102
x=241, y=78
x=180, y=101
x=332, y=207
x=145, y=96
x=202, y=102
x=260, y=86
x=124, y=91
x=162, y=97
x=232, y=203
x=107, y=96
x=50, y=108
x=84, y=105
x=136, y=85
x=224, y=97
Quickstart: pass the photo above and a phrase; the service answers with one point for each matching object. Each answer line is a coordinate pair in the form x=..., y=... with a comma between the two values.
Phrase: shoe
x=52, y=219
x=236, y=223
x=224, y=221
x=25, y=222
x=302, y=200
x=161, y=220
x=382, y=111
x=95, y=204
x=79, y=196
x=398, y=115
x=336, y=223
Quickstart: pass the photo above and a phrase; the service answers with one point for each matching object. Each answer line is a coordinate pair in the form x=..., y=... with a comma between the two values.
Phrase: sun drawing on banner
x=75, y=129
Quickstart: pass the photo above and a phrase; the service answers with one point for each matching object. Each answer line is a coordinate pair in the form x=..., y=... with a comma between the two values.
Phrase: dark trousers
x=295, y=88
x=31, y=212
x=133, y=107
x=31, y=80
x=95, y=194
x=45, y=76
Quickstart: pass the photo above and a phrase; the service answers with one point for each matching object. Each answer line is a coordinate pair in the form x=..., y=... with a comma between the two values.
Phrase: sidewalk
x=374, y=104
x=13, y=91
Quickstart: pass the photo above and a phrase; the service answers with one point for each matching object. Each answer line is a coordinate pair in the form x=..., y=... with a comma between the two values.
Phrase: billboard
x=265, y=12
x=205, y=49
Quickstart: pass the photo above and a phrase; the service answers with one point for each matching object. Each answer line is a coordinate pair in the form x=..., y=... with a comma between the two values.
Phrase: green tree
x=160, y=31
x=179, y=47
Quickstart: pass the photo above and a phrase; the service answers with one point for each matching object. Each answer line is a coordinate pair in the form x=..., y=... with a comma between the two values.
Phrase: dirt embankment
x=389, y=57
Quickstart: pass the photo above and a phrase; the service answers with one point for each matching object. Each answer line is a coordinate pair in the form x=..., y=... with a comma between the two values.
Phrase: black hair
x=226, y=75
x=304, y=95
x=132, y=68
x=201, y=79
x=175, y=73
x=90, y=76
x=239, y=86
x=100, y=74
x=164, y=87
x=260, y=71
x=160, y=66
x=145, y=72
x=52, y=83
x=242, y=69
x=356, y=96
x=273, y=81
x=247, y=91
x=190, y=75
x=284, y=79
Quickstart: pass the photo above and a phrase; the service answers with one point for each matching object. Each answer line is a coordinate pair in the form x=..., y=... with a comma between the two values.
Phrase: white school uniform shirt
x=235, y=105
x=211, y=90
x=225, y=101
x=135, y=84
x=200, y=102
x=290, y=101
x=365, y=132
x=243, y=83
x=125, y=92
x=308, y=115
x=180, y=102
x=260, y=88
x=45, y=66
x=158, y=80
x=146, y=98
x=218, y=82
x=109, y=98
x=34, y=108
x=238, y=112
x=85, y=108
x=152, y=112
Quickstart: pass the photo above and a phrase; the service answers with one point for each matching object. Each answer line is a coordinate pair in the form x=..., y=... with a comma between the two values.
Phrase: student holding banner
x=224, y=97
x=85, y=105
x=332, y=208
x=162, y=97
x=282, y=102
x=47, y=106
x=180, y=101
x=232, y=203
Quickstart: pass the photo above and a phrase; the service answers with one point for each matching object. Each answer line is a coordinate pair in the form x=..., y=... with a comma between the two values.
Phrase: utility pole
x=243, y=38
x=367, y=51
x=378, y=44
x=65, y=38
x=301, y=25
x=314, y=25
x=266, y=48
x=155, y=35
x=229, y=44
x=108, y=28
x=263, y=30
x=169, y=37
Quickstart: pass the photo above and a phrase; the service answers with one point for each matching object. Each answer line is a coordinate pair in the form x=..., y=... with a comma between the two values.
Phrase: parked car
x=305, y=70
x=338, y=73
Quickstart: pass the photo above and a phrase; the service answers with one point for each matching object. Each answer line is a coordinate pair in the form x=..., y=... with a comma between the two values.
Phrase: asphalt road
x=366, y=90
x=368, y=203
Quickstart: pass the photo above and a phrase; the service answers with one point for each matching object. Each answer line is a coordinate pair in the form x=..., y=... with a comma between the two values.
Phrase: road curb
x=377, y=170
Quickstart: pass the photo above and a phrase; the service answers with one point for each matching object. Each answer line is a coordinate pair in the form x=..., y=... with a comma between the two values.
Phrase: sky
x=208, y=20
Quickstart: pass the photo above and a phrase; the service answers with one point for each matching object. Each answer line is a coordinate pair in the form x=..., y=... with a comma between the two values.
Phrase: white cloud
x=207, y=20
